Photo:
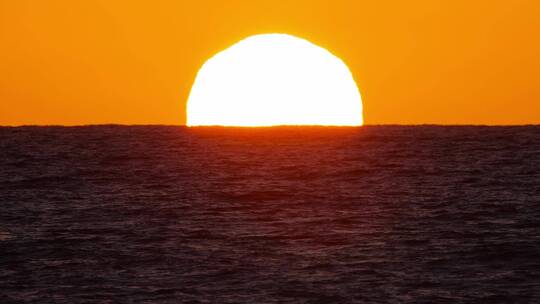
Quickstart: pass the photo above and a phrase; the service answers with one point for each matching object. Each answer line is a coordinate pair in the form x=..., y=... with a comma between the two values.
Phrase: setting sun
x=274, y=79
x=306, y=151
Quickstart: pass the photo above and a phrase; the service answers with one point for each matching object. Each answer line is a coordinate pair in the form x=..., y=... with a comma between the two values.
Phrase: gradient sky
x=133, y=62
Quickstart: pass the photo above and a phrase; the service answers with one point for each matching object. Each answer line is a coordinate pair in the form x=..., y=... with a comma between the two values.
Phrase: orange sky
x=133, y=62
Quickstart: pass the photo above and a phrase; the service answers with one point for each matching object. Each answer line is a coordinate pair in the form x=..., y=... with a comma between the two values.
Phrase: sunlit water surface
x=149, y=214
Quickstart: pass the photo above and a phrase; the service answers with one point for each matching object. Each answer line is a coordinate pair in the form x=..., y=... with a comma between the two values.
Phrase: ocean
x=166, y=214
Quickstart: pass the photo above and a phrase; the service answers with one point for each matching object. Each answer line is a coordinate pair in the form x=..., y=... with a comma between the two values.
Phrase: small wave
x=6, y=236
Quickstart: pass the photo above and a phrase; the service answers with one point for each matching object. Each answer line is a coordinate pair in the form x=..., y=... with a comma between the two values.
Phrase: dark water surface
x=115, y=214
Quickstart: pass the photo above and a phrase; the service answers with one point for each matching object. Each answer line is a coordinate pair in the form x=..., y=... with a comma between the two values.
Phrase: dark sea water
x=156, y=214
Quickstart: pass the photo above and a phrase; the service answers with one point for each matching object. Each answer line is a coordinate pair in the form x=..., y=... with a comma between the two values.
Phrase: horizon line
x=276, y=126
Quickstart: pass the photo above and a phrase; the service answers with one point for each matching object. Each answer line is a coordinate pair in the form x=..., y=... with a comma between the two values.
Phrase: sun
x=271, y=80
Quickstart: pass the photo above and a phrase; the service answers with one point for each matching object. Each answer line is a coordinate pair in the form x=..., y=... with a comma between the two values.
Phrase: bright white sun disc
x=274, y=79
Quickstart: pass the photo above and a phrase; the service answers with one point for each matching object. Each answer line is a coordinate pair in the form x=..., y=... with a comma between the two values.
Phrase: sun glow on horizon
x=274, y=79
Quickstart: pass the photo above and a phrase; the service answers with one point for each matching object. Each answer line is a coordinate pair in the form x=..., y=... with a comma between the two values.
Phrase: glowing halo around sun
x=274, y=79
